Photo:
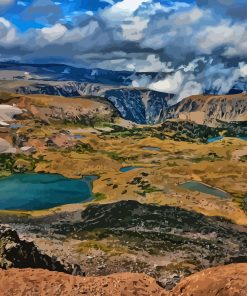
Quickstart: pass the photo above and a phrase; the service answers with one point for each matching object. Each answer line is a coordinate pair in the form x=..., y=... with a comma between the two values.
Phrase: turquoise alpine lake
x=204, y=188
x=43, y=191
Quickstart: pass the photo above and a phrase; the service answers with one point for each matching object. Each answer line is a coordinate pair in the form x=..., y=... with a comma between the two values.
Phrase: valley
x=119, y=179
x=85, y=137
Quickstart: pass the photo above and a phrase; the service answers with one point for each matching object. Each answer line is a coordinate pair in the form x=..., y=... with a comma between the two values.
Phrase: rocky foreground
x=228, y=280
x=167, y=243
x=21, y=274
x=42, y=282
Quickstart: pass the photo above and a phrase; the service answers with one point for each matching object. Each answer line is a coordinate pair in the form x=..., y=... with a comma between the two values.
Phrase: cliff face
x=19, y=253
x=139, y=105
x=209, y=110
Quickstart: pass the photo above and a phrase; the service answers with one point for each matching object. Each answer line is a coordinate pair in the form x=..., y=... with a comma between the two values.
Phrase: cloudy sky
x=190, y=40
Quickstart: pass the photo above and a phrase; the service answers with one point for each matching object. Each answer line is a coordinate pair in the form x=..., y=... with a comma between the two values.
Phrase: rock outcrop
x=19, y=253
x=45, y=283
x=229, y=280
x=6, y=147
x=46, y=108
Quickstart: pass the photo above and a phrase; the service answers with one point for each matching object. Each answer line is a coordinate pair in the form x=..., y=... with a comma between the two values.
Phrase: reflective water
x=43, y=191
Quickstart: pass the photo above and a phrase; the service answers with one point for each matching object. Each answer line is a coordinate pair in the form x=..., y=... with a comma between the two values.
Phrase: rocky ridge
x=211, y=110
x=139, y=105
x=145, y=106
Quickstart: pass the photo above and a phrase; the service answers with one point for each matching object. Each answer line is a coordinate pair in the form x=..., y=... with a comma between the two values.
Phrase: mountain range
x=137, y=104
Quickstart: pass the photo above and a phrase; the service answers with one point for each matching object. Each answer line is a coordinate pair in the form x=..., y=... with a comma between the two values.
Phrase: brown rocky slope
x=230, y=280
x=38, y=282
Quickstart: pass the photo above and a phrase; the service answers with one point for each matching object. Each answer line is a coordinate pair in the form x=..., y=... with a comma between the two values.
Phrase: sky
x=197, y=43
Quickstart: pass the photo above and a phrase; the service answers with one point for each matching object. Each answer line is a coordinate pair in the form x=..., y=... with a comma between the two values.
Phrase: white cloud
x=21, y=3
x=189, y=17
x=53, y=33
x=7, y=32
x=128, y=6
x=122, y=10
x=223, y=34
x=190, y=88
x=171, y=84
x=180, y=83
x=199, y=76
x=243, y=69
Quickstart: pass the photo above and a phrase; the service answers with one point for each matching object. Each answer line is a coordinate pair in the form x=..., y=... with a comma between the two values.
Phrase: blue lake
x=204, y=188
x=130, y=168
x=43, y=191
x=211, y=140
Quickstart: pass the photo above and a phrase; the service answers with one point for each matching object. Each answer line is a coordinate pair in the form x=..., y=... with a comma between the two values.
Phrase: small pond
x=211, y=140
x=130, y=168
x=151, y=148
x=15, y=125
x=204, y=188
x=77, y=136
x=43, y=191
